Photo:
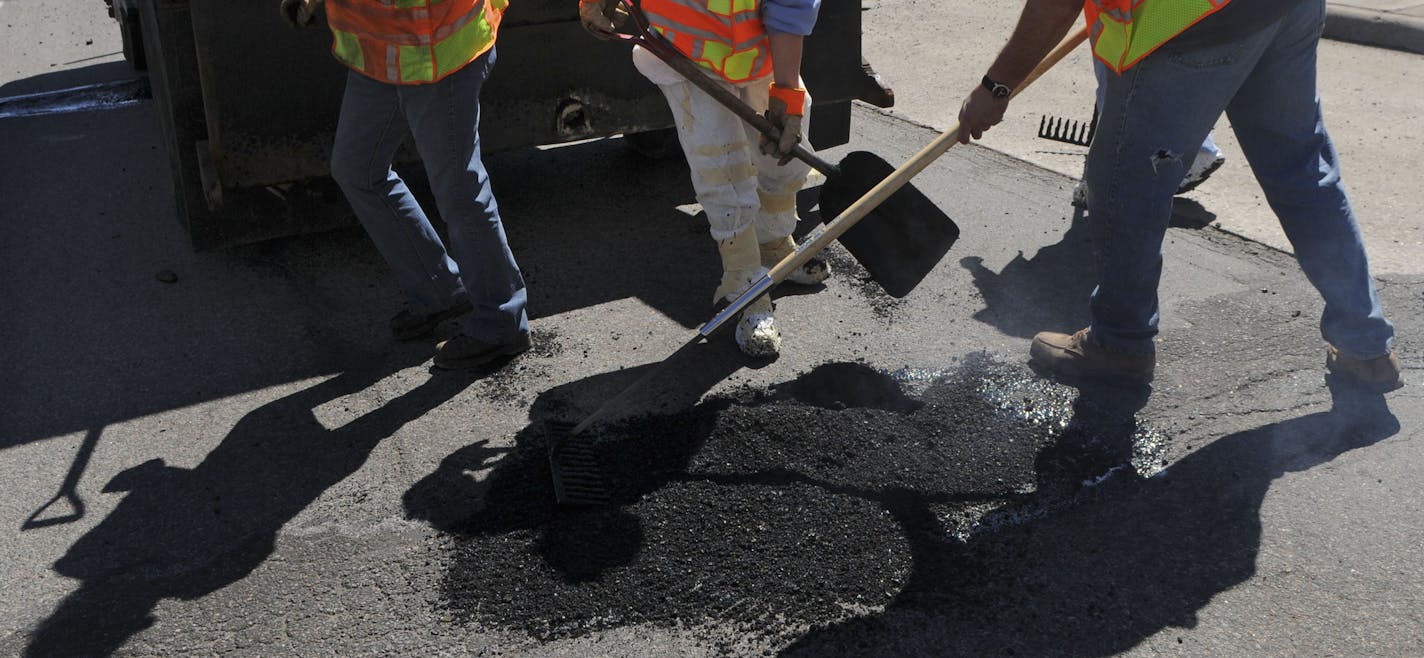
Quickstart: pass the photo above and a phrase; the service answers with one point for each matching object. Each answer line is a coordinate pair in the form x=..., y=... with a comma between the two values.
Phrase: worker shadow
x=182, y=533
x=595, y=222
x=1134, y=555
x=1050, y=290
x=1046, y=291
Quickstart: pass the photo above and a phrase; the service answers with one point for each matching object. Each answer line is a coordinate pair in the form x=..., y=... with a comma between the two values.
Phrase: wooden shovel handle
x=904, y=173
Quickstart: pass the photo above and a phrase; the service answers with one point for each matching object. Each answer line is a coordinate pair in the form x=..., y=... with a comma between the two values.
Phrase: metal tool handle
x=655, y=44
x=867, y=202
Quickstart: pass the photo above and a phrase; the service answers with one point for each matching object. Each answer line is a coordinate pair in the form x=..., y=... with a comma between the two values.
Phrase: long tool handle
x=862, y=207
x=617, y=400
x=694, y=74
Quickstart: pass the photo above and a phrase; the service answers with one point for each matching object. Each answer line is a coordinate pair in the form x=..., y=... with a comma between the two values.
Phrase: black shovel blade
x=900, y=240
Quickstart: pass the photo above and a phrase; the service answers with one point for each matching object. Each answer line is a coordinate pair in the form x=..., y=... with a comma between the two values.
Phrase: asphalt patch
x=770, y=511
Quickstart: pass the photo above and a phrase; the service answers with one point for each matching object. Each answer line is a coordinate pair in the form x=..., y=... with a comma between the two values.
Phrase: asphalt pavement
x=225, y=453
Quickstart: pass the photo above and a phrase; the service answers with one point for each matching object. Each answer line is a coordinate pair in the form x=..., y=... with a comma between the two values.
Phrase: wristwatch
x=997, y=89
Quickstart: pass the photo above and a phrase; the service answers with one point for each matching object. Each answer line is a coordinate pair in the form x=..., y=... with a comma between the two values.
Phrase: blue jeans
x=443, y=118
x=1100, y=71
x=1153, y=119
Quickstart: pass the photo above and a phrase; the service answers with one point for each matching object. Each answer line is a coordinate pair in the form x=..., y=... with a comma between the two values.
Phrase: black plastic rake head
x=579, y=478
x=1068, y=131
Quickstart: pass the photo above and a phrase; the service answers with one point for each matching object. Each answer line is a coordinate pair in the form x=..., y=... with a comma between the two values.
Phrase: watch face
x=997, y=89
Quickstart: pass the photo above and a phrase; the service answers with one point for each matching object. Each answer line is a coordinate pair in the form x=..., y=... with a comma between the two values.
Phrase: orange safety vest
x=725, y=36
x=412, y=41
x=1125, y=31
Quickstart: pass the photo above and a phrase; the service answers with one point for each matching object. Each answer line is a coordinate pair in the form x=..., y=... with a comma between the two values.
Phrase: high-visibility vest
x=412, y=41
x=1125, y=31
x=725, y=36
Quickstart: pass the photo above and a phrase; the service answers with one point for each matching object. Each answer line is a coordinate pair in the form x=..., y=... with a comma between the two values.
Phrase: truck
x=247, y=105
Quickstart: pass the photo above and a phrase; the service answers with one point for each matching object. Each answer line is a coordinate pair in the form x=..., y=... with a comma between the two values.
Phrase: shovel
x=905, y=234
x=577, y=477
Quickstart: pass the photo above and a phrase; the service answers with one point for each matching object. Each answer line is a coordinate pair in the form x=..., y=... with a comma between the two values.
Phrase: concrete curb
x=1375, y=28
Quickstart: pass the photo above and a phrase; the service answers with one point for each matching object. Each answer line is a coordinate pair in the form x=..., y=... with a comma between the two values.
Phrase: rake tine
x=1060, y=129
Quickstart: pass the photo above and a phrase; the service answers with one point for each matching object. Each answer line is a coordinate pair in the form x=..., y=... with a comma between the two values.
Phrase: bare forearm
x=786, y=59
x=1041, y=25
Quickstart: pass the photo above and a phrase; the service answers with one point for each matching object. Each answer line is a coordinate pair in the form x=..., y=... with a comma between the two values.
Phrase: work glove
x=783, y=110
x=601, y=18
x=299, y=13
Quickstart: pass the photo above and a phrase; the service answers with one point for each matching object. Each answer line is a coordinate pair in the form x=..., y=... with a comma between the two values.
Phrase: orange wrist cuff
x=794, y=97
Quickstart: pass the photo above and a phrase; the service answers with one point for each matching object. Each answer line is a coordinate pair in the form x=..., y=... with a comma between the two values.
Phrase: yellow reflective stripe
x=347, y=48
x=1110, y=41
x=715, y=52
x=1121, y=41
x=1157, y=22
x=733, y=65
x=730, y=7
x=739, y=65
x=410, y=4
x=463, y=46
x=415, y=64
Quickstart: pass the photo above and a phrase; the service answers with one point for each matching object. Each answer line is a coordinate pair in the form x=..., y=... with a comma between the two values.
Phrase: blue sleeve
x=789, y=16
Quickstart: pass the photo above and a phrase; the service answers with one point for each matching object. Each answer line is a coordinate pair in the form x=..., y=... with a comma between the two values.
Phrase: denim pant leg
x=444, y=120
x=370, y=129
x=1208, y=148
x=1277, y=117
x=1151, y=124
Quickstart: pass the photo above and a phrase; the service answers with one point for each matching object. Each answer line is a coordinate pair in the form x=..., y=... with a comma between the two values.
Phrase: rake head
x=578, y=475
x=1067, y=131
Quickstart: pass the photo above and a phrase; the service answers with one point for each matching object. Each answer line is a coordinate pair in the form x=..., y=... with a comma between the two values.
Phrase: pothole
x=772, y=509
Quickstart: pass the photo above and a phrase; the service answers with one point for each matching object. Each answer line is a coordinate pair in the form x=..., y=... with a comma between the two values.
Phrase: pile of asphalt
x=766, y=511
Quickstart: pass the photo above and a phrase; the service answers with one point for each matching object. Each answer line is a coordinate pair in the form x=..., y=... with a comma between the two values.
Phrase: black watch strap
x=997, y=89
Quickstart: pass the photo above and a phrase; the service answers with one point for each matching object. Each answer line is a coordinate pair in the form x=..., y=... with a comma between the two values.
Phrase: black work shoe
x=463, y=352
x=1379, y=375
x=409, y=325
x=1078, y=355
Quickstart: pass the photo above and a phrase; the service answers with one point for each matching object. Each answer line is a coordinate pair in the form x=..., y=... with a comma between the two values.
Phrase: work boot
x=810, y=273
x=756, y=335
x=1080, y=356
x=410, y=325
x=1378, y=375
x=463, y=352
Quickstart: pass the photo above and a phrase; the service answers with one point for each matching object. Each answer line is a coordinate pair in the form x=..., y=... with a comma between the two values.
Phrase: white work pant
x=736, y=185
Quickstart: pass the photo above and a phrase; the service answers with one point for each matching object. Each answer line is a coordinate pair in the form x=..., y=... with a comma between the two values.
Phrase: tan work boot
x=810, y=273
x=757, y=334
x=1380, y=374
x=1078, y=355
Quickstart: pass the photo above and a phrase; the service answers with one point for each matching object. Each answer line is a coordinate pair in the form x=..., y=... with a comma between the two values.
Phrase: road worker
x=1176, y=66
x=417, y=68
x=745, y=182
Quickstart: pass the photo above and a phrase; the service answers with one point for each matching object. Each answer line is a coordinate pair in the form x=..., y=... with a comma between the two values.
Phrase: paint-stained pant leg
x=1277, y=118
x=777, y=184
x=719, y=157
